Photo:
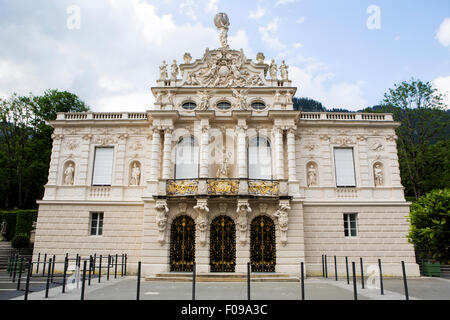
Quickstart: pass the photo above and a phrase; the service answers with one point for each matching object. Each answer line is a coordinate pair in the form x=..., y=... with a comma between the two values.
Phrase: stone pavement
x=423, y=288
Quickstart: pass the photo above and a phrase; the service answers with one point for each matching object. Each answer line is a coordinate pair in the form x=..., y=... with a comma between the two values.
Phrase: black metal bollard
x=248, y=280
x=323, y=268
x=355, y=292
x=15, y=268
x=346, y=267
x=20, y=273
x=84, y=280
x=27, y=285
x=45, y=262
x=362, y=273
x=90, y=269
x=66, y=263
x=326, y=267
x=126, y=258
x=53, y=267
x=335, y=269
x=48, y=278
x=405, y=283
x=100, y=269
x=302, y=276
x=122, y=265
x=39, y=258
x=194, y=271
x=381, y=276
x=138, y=290
x=93, y=265
x=115, y=267
x=109, y=262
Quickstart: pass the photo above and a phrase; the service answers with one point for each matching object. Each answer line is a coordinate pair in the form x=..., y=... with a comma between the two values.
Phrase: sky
x=345, y=54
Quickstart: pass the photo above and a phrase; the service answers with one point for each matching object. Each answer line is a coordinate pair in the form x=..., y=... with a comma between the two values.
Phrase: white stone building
x=223, y=171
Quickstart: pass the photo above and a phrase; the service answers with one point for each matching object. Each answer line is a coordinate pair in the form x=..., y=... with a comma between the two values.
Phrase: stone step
x=222, y=277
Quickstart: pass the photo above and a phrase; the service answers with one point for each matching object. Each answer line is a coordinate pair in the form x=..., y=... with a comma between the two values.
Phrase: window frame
x=348, y=230
x=260, y=103
x=93, y=167
x=258, y=138
x=189, y=102
x=98, y=228
x=224, y=101
x=194, y=145
x=336, y=169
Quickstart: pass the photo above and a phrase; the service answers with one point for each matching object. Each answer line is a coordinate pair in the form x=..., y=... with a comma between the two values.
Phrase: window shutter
x=345, y=170
x=103, y=166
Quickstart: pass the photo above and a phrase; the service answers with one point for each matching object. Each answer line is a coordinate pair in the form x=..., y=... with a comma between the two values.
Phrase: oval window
x=224, y=105
x=258, y=106
x=189, y=105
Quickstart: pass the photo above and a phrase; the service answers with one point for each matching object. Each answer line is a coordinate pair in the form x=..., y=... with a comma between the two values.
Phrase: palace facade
x=223, y=171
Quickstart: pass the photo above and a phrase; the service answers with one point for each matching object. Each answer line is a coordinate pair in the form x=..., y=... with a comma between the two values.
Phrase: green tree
x=420, y=110
x=430, y=225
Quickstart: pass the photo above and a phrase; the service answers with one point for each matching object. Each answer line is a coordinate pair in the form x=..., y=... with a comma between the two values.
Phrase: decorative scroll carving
x=283, y=220
x=181, y=187
x=223, y=186
x=202, y=211
x=161, y=218
x=243, y=209
x=263, y=187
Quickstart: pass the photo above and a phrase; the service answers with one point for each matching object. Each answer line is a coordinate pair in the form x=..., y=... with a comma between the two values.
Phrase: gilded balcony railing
x=223, y=186
x=264, y=188
x=182, y=187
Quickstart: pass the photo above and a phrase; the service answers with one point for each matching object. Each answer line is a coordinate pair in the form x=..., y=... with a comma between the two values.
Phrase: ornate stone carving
x=223, y=186
x=174, y=70
x=378, y=174
x=241, y=96
x=273, y=70
x=222, y=172
x=202, y=211
x=260, y=57
x=243, y=209
x=161, y=218
x=187, y=58
x=283, y=220
x=342, y=140
x=263, y=188
x=222, y=23
x=277, y=97
x=284, y=71
x=135, y=174
x=181, y=187
x=163, y=75
x=377, y=146
x=69, y=174
x=312, y=174
x=71, y=144
x=205, y=97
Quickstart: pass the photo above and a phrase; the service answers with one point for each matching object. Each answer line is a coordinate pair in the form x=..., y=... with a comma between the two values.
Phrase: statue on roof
x=222, y=23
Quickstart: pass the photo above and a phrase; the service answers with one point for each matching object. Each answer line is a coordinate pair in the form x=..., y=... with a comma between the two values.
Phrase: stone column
x=292, y=168
x=242, y=152
x=204, y=152
x=154, y=169
x=279, y=159
x=167, y=152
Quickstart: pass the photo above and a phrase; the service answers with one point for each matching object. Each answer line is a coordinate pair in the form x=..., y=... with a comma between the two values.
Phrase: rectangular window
x=345, y=169
x=96, y=223
x=103, y=166
x=350, y=229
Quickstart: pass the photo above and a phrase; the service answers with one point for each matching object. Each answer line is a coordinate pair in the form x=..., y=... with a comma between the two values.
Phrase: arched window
x=186, y=158
x=259, y=159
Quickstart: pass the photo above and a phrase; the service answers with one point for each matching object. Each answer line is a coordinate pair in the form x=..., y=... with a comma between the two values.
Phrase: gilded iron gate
x=182, y=244
x=223, y=245
x=262, y=244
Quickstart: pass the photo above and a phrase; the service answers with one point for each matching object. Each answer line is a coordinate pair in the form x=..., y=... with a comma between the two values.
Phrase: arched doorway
x=182, y=244
x=262, y=244
x=223, y=245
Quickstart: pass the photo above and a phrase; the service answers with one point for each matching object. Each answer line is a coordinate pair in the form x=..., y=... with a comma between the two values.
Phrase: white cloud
x=443, y=34
x=212, y=7
x=300, y=20
x=258, y=13
x=298, y=45
x=269, y=35
x=188, y=8
x=442, y=84
x=282, y=2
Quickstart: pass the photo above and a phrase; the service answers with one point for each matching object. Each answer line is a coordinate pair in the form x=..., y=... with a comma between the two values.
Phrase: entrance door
x=182, y=244
x=262, y=244
x=223, y=245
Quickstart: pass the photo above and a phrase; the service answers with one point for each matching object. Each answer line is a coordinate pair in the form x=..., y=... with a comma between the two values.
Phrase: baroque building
x=223, y=171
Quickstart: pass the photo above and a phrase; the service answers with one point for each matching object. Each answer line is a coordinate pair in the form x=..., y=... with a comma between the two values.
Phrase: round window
x=189, y=106
x=258, y=106
x=224, y=105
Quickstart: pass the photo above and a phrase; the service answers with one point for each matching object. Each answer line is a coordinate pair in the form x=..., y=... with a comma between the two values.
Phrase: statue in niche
x=135, y=175
x=273, y=70
x=284, y=71
x=163, y=75
x=312, y=176
x=222, y=172
x=174, y=70
x=69, y=174
x=378, y=174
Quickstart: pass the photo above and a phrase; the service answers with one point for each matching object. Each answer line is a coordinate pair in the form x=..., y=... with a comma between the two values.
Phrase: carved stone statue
x=163, y=75
x=241, y=96
x=378, y=174
x=284, y=71
x=202, y=219
x=161, y=218
x=3, y=229
x=260, y=57
x=222, y=23
x=312, y=176
x=243, y=209
x=205, y=96
x=277, y=97
x=222, y=172
x=135, y=175
x=273, y=70
x=187, y=58
x=174, y=70
x=283, y=221
x=69, y=174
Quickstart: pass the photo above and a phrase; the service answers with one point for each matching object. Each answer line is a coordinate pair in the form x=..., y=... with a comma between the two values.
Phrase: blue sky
x=112, y=59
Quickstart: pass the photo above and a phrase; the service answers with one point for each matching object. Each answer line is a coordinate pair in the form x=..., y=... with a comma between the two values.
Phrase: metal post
x=90, y=269
x=100, y=269
x=39, y=258
x=93, y=265
x=194, y=269
x=126, y=258
x=53, y=267
x=48, y=279
x=138, y=290
x=346, y=267
x=326, y=267
x=355, y=292
x=404, y=281
x=335, y=269
x=15, y=268
x=121, y=266
x=248, y=280
x=66, y=262
x=109, y=261
x=323, y=268
x=381, y=277
x=27, y=285
x=43, y=268
x=115, y=267
x=362, y=273
x=20, y=273
x=302, y=275
x=84, y=279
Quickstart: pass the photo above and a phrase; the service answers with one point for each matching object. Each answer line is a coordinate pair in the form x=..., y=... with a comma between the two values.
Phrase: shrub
x=20, y=241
